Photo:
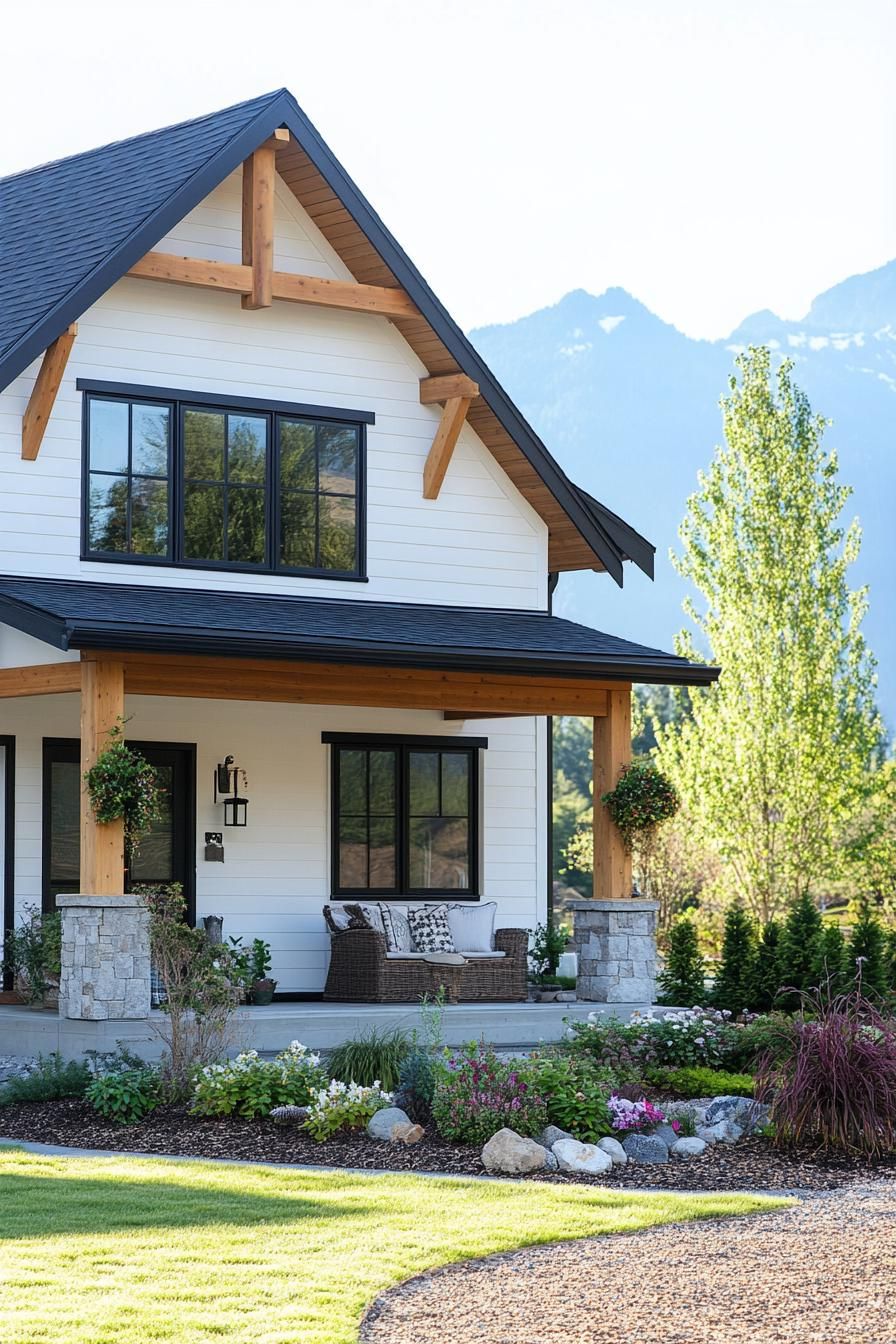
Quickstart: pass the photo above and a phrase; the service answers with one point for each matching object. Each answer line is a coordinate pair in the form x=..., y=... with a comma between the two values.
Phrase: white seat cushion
x=473, y=926
x=421, y=956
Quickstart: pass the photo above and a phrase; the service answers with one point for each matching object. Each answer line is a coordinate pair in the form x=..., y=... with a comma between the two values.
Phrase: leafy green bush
x=125, y=1095
x=374, y=1057
x=642, y=800
x=575, y=1092
x=477, y=1094
x=32, y=953
x=343, y=1106
x=250, y=1086
x=674, y=1039
x=50, y=1081
x=700, y=1082
x=681, y=981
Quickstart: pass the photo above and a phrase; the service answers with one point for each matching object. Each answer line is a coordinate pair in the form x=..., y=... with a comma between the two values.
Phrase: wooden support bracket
x=43, y=394
x=447, y=385
x=453, y=416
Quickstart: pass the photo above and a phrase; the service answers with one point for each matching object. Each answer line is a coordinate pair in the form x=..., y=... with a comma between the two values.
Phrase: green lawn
x=125, y=1251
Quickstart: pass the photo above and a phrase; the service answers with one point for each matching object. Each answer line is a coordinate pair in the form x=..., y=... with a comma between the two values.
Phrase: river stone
x=382, y=1123
x=512, y=1155
x=615, y=1150
x=645, y=1148
x=667, y=1134
x=587, y=1157
x=551, y=1135
x=684, y=1148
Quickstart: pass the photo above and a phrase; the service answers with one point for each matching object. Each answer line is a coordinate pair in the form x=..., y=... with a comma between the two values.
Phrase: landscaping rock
x=723, y=1108
x=684, y=1148
x=512, y=1155
x=668, y=1135
x=587, y=1157
x=615, y=1151
x=409, y=1133
x=723, y=1131
x=551, y=1135
x=289, y=1115
x=550, y=1161
x=384, y=1122
x=566, y=996
x=548, y=996
x=645, y=1148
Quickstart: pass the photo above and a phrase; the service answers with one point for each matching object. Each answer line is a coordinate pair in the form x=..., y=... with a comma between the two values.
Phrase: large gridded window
x=205, y=485
x=405, y=817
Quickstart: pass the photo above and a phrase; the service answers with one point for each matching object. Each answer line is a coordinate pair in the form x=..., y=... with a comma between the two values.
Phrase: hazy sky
x=711, y=156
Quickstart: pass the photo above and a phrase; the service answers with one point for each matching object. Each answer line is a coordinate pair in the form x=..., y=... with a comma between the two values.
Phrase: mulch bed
x=749, y=1164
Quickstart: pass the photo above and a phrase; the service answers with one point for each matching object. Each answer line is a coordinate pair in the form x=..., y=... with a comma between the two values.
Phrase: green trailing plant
x=32, y=953
x=695, y=1081
x=868, y=951
x=121, y=783
x=50, y=1081
x=125, y=1096
x=642, y=800
x=682, y=979
x=768, y=966
x=548, y=943
x=374, y=1057
x=735, y=983
x=575, y=1092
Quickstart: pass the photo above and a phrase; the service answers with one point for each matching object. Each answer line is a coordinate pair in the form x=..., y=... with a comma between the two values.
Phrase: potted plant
x=261, y=985
x=263, y=990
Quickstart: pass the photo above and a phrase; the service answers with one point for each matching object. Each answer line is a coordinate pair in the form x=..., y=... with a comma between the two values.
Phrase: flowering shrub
x=122, y=783
x=477, y=1094
x=250, y=1086
x=676, y=1039
x=575, y=1091
x=344, y=1106
x=634, y=1116
x=642, y=800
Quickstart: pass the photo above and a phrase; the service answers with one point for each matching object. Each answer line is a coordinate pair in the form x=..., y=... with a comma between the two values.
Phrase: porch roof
x=74, y=614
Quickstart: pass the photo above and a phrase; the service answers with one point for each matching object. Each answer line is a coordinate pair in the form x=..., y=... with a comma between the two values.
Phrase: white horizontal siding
x=479, y=544
x=276, y=874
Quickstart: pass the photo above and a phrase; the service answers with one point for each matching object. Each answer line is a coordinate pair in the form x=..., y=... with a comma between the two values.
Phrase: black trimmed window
x=193, y=482
x=405, y=816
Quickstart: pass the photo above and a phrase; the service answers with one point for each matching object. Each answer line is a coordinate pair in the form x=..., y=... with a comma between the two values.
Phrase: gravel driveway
x=823, y=1272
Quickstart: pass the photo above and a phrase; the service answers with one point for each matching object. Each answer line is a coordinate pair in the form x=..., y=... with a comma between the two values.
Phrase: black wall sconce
x=227, y=782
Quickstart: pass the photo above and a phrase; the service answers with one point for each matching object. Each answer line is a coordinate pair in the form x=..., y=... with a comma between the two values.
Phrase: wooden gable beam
x=258, y=225
x=231, y=278
x=453, y=416
x=447, y=385
x=43, y=394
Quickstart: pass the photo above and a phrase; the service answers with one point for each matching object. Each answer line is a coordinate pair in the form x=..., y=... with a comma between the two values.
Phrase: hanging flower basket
x=122, y=784
x=641, y=801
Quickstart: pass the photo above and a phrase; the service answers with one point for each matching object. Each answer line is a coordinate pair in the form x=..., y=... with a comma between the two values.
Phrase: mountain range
x=629, y=406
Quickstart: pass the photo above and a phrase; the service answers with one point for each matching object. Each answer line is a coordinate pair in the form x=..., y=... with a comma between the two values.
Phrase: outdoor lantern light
x=227, y=781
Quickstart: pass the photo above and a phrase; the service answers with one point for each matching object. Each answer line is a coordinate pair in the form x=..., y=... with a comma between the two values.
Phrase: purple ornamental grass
x=836, y=1088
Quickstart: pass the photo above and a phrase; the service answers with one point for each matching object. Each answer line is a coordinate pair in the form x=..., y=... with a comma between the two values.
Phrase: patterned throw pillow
x=430, y=930
x=396, y=928
x=365, y=916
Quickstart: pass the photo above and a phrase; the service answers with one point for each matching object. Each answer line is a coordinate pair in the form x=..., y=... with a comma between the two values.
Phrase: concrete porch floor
x=25, y=1031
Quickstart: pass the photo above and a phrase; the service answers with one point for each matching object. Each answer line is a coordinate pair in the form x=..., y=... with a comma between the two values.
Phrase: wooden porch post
x=612, y=753
x=102, y=845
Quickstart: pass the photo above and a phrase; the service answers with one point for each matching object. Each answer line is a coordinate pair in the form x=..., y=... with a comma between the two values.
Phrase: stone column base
x=616, y=946
x=105, y=957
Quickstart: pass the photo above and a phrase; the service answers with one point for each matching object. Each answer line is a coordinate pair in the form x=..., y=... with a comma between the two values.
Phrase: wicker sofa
x=362, y=970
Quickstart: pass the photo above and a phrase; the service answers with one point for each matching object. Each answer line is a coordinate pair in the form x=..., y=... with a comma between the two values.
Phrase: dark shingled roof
x=70, y=229
x=71, y=614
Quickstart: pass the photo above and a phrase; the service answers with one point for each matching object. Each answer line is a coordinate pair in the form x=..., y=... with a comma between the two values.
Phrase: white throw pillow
x=473, y=926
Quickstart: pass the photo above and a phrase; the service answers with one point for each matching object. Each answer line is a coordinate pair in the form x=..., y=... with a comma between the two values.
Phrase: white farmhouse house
x=260, y=498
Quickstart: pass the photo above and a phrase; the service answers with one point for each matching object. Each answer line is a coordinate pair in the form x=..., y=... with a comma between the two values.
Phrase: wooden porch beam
x=43, y=394
x=442, y=448
x=612, y=753
x=39, y=679
x=102, y=843
x=259, y=174
x=231, y=278
x=447, y=385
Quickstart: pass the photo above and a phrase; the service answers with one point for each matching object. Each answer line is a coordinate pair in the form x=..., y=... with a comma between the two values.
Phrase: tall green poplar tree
x=775, y=757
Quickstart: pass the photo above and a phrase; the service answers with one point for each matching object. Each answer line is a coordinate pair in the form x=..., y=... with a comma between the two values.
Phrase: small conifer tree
x=735, y=987
x=681, y=981
x=799, y=949
x=868, y=941
x=834, y=972
x=768, y=966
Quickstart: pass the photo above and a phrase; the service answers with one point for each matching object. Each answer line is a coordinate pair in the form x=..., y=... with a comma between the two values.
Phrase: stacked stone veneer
x=105, y=957
x=616, y=946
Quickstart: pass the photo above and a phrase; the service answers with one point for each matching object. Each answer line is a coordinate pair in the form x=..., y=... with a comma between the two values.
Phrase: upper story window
x=189, y=481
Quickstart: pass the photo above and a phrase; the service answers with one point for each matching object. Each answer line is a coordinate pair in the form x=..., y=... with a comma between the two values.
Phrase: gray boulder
x=722, y=1108
x=551, y=1135
x=550, y=1161
x=582, y=1157
x=384, y=1122
x=684, y=1148
x=615, y=1150
x=667, y=1134
x=723, y=1131
x=645, y=1148
x=511, y=1155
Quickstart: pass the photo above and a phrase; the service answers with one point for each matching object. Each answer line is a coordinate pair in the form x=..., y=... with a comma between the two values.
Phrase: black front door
x=167, y=853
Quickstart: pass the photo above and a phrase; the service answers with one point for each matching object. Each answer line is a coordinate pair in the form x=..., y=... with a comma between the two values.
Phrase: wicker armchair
x=360, y=971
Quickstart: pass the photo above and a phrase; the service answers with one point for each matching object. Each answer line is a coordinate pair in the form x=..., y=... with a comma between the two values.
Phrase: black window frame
x=403, y=745
x=178, y=401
